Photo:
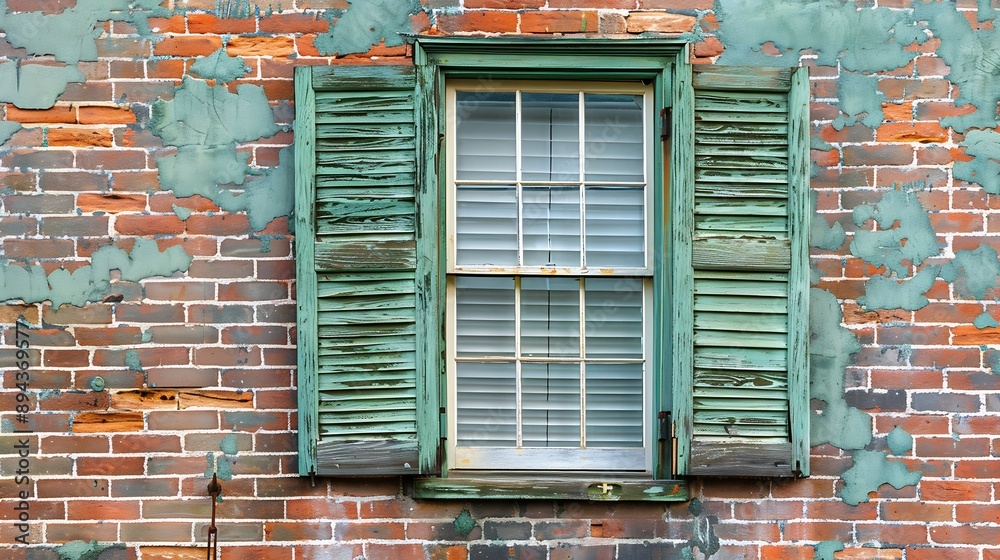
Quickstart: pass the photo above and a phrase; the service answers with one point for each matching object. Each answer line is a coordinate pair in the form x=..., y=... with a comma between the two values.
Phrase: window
x=552, y=268
x=549, y=286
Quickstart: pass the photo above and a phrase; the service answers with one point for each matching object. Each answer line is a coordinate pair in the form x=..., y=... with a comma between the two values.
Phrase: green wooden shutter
x=740, y=318
x=356, y=159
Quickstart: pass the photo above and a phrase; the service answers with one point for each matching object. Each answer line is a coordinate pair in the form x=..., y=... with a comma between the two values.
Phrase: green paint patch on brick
x=904, y=235
x=206, y=123
x=824, y=550
x=983, y=146
x=830, y=350
x=219, y=66
x=70, y=37
x=228, y=444
x=872, y=469
x=862, y=40
x=93, y=282
x=367, y=23
x=7, y=129
x=464, y=523
x=181, y=212
x=860, y=101
x=821, y=234
x=974, y=272
x=984, y=321
x=883, y=292
x=972, y=57
x=132, y=361
x=900, y=441
x=80, y=550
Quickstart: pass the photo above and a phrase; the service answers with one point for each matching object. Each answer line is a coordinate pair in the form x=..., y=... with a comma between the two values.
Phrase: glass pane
x=614, y=405
x=615, y=227
x=487, y=404
x=550, y=137
x=550, y=316
x=484, y=316
x=551, y=226
x=485, y=136
x=550, y=405
x=613, y=315
x=486, y=226
x=613, y=149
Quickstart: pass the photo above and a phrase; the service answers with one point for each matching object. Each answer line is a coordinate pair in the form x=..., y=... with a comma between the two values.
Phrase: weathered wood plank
x=740, y=339
x=743, y=162
x=746, y=174
x=713, y=432
x=712, y=357
x=366, y=255
x=333, y=431
x=347, y=130
x=764, y=322
x=749, y=132
x=379, y=163
x=365, y=283
x=705, y=206
x=376, y=117
x=364, y=145
x=741, y=253
x=711, y=189
x=566, y=488
x=745, y=457
x=736, y=287
x=343, y=77
x=759, y=226
x=710, y=76
x=743, y=380
x=740, y=304
x=337, y=332
x=367, y=457
x=726, y=113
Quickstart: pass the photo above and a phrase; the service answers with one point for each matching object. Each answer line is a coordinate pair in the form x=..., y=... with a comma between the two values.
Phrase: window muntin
x=550, y=207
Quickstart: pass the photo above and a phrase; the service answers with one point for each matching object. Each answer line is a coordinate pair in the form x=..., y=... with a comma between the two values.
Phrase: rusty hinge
x=666, y=123
x=214, y=489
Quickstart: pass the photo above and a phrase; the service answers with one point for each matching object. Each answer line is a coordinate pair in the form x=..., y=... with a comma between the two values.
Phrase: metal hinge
x=666, y=123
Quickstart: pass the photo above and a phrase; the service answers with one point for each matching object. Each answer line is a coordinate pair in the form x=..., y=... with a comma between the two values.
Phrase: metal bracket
x=666, y=123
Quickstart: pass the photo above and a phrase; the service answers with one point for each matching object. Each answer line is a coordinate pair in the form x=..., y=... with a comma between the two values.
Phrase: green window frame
x=730, y=277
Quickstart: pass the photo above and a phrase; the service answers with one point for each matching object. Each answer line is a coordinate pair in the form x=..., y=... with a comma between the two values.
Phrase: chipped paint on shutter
x=745, y=304
x=363, y=269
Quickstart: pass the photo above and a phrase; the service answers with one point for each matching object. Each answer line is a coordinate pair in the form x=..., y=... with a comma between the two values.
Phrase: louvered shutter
x=740, y=319
x=356, y=261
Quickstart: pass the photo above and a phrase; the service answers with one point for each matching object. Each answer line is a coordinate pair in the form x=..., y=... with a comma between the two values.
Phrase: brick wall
x=173, y=356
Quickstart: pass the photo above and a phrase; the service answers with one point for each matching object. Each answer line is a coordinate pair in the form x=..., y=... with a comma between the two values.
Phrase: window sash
x=519, y=451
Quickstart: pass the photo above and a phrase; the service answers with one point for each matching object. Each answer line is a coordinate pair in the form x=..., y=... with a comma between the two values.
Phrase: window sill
x=594, y=489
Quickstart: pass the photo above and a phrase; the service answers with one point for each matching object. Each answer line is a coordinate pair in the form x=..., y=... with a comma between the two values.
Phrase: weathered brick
x=261, y=46
x=101, y=422
x=183, y=420
x=188, y=45
x=559, y=21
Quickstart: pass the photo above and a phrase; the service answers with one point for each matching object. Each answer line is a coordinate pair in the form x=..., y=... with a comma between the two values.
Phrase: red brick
x=110, y=466
x=173, y=24
x=260, y=46
x=145, y=443
x=965, y=534
x=916, y=511
x=143, y=225
x=106, y=115
x=562, y=21
x=252, y=291
x=921, y=132
x=80, y=137
x=219, y=224
x=63, y=114
x=73, y=488
x=297, y=23
x=38, y=248
x=362, y=531
x=953, y=490
x=663, y=22
x=976, y=513
x=102, y=422
x=188, y=45
x=878, y=155
x=183, y=420
x=208, y=23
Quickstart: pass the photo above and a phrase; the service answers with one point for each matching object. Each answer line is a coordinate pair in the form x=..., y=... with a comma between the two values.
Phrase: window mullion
x=581, y=143
x=519, y=194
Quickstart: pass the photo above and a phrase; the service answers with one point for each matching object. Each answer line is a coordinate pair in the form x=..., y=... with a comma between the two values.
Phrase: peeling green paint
x=823, y=235
x=219, y=66
x=7, y=130
x=974, y=272
x=974, y=59
x=862, y=40
x=883, y=292
x=983, y=146
x=229, y=9
x=182, y=213
x=80, y=550
x=830, y=352
x=69, y=36
x=132, y=361
x=206, y=123
x=985, y=320
x=464, y=523
x=900, y=441
x=365, y=24
x=872, y=469
x=824, y=550
x=228, y=444
x=860, y=101
x=92, y=282
x=905, y=233
x=35, y=86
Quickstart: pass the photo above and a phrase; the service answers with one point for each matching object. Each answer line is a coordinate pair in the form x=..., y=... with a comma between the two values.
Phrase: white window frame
x=637, y=460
